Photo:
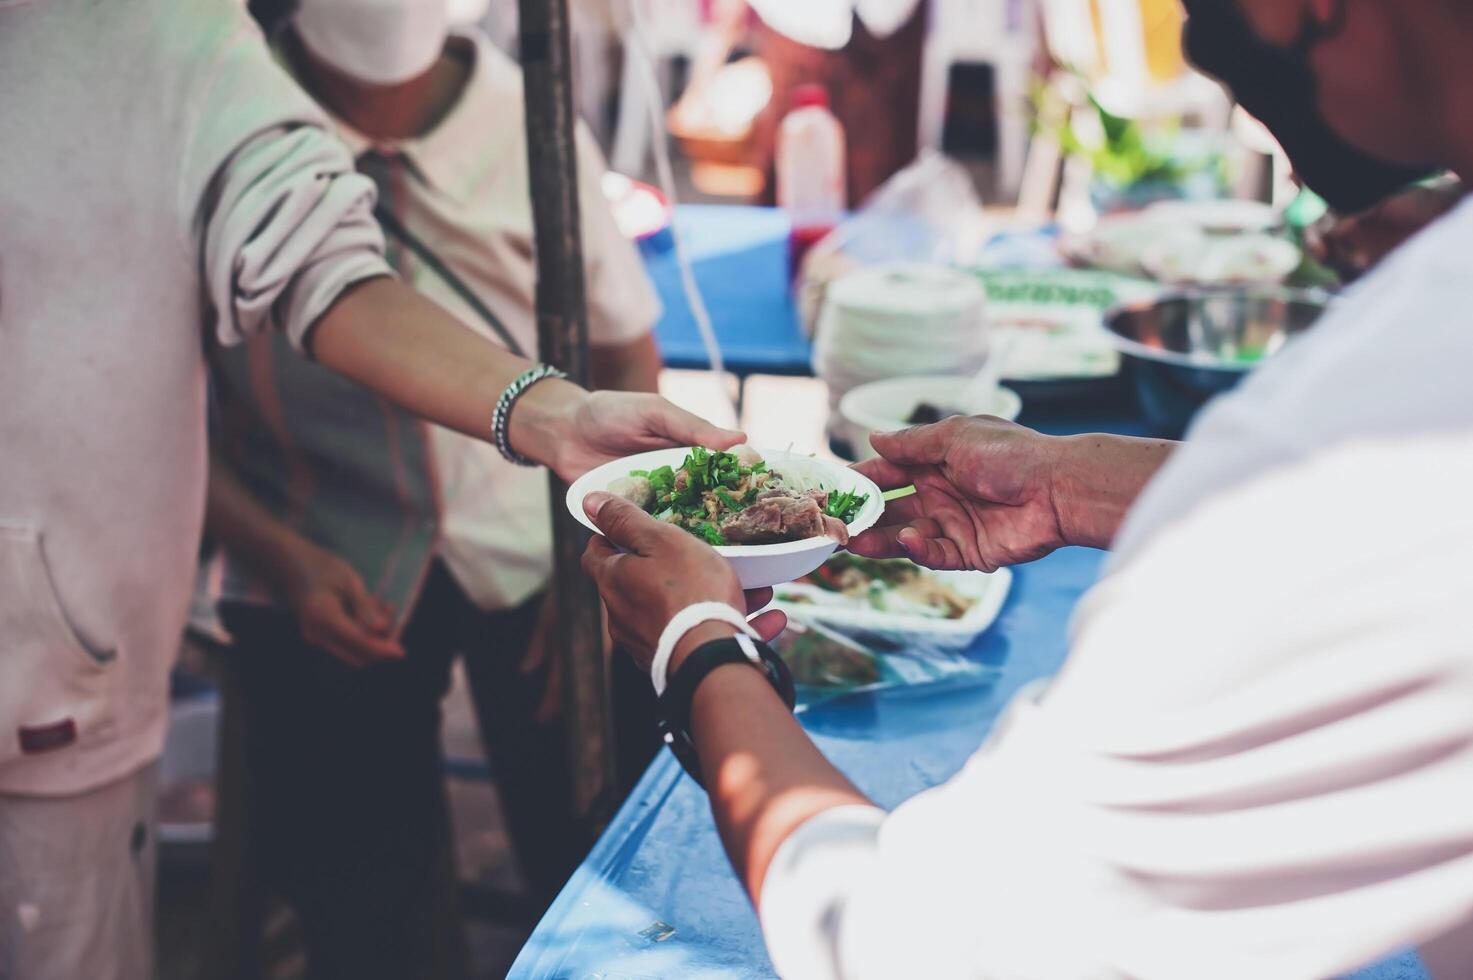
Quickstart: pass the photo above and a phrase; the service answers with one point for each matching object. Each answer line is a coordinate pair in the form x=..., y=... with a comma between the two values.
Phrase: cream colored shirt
x=464, y=193
x=1258, y=759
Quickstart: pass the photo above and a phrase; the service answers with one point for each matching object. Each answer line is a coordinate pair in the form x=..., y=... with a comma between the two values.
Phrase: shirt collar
x=456, y=150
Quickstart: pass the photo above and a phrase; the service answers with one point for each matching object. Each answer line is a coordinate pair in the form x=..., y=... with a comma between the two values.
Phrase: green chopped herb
x=682, y=500
x=662, y=481
x=845, y=504
x=709, y=531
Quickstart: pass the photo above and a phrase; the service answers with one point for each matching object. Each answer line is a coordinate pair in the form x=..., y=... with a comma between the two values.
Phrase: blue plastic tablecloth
x=656, y=898
x=740, y=258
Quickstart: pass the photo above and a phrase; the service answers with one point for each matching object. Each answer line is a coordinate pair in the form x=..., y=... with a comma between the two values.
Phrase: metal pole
x=562, y=331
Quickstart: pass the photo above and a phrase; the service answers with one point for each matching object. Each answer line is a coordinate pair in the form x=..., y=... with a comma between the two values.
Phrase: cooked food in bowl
x=733, y=498
x=771, y=543
x=894, y=586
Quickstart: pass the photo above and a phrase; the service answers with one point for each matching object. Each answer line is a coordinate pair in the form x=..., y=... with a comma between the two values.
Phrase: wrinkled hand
x=1353, y=245
x=661, y=571
x=336, y=610
x=608, y=425
x=984, y=495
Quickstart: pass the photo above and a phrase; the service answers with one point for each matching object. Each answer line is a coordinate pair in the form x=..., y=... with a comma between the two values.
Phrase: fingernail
x=594, y=502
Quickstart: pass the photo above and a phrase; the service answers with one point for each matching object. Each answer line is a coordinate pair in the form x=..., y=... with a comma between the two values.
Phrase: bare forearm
x=247, y=530
x=765, y=777
x=1097, y=480
x=634, y=366
x=390, y=339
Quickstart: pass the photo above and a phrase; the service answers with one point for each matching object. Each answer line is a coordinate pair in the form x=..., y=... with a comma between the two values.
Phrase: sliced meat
x=836, y=529
x=781, y=516
x=761, y=523
x=801, y=518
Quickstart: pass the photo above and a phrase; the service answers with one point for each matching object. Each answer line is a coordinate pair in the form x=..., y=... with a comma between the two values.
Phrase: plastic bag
x=929, y=212
x=827, y=664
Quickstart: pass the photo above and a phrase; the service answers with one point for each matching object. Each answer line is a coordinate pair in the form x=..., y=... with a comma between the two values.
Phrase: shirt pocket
x=53, y=688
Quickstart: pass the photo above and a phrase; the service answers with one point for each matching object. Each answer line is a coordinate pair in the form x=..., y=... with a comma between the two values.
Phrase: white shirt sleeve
x=282, y=220
x=1258, y=761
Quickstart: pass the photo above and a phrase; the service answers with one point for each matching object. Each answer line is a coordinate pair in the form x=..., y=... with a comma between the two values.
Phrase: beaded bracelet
x=501, y=417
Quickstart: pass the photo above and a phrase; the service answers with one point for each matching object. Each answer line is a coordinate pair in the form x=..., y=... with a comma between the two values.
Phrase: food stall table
x=740, y=258
x=656, y=897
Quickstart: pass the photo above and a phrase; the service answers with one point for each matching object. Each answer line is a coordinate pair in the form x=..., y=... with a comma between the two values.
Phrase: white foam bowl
x=884, y=406
x=757, y=565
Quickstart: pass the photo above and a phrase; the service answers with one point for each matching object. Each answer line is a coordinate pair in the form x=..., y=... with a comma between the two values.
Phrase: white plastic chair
x=998, y=33
x=672, y=29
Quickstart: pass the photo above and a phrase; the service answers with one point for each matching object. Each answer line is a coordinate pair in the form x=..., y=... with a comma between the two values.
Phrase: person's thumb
x=621, y=522
x=917, y=446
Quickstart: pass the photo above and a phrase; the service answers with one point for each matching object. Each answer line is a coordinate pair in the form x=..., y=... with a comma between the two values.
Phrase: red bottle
x=810, y=171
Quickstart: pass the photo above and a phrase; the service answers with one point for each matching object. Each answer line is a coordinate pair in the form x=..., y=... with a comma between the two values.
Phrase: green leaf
x=707, y=531
x=845, y=505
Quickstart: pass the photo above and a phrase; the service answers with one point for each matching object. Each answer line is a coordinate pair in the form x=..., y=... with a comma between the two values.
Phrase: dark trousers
x=347, y=808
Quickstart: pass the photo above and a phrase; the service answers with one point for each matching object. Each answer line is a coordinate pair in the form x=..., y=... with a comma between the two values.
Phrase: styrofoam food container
x=884, y=406
x=899, y=318
x=757, y=565
x=856, y=618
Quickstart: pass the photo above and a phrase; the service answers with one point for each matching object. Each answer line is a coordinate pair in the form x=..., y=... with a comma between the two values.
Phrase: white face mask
x=378, y=42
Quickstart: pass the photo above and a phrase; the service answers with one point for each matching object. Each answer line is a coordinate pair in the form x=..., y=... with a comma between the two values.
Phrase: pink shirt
x=161, y=172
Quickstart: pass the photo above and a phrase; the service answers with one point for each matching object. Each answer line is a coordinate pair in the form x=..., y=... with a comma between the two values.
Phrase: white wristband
x=688, y=619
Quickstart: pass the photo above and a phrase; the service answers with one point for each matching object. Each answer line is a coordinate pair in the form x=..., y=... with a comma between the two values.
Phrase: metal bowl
x=1187, y=346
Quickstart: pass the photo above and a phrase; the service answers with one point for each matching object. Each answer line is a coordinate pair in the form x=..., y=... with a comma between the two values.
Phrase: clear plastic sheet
x=927, y=213
x=827, y=663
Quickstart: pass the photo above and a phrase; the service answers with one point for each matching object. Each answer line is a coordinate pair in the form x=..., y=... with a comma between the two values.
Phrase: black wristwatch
x=673, y=711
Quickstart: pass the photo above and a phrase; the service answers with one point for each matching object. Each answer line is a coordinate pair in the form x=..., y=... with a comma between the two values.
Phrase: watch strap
x=673, y=707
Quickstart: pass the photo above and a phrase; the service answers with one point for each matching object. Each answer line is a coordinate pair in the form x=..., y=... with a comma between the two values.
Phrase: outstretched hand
x=647, y=571
x=608, y=425
x=984, y=495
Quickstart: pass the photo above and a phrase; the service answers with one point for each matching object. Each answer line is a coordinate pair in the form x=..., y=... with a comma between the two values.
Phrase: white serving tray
x=857, y=618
